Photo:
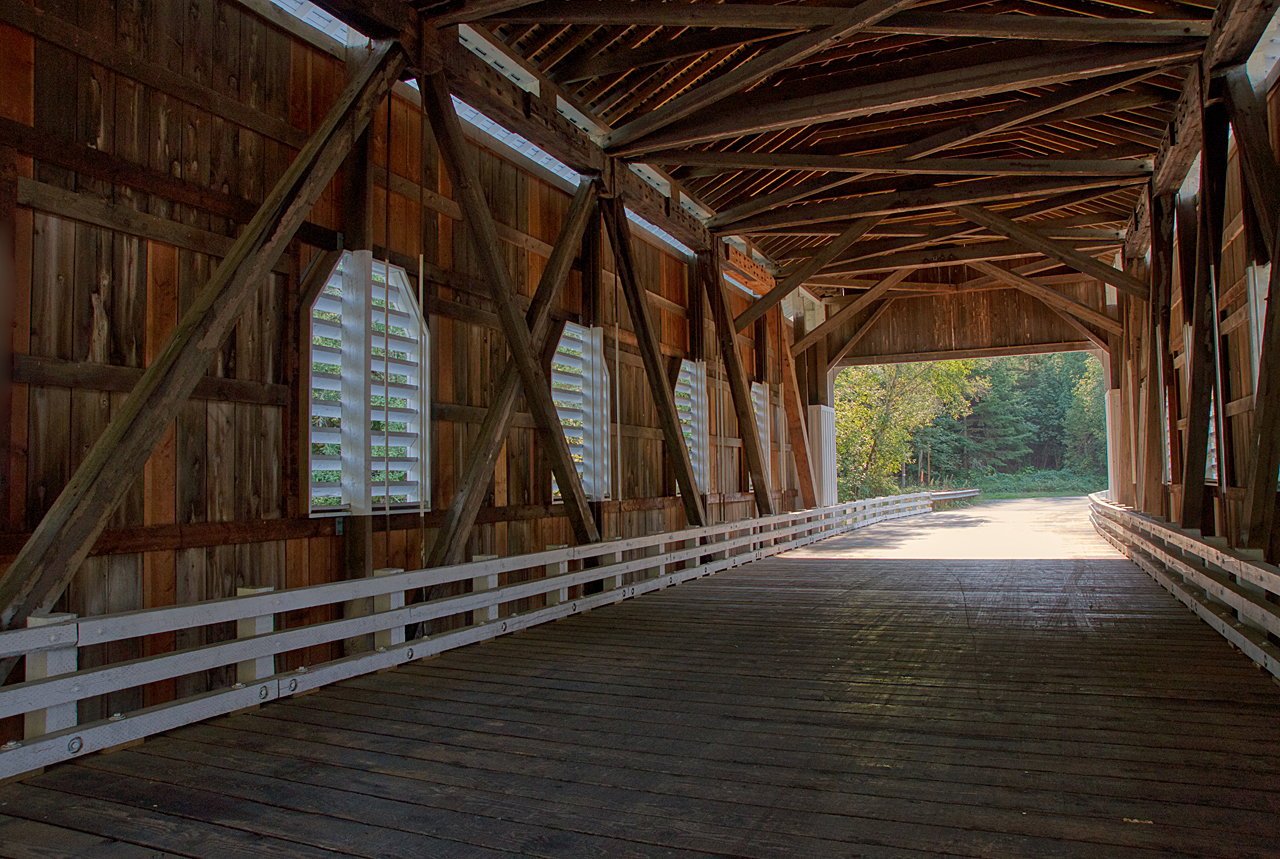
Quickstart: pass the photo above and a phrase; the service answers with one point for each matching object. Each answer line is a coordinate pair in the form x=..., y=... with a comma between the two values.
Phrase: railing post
x=388, y=602
x=608, y=583
x=50, y=663
x=253, y=670
x=558, y=595
x=479, y=584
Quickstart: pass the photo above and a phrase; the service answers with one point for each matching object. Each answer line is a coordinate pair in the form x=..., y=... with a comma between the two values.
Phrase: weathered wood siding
x=222, y=503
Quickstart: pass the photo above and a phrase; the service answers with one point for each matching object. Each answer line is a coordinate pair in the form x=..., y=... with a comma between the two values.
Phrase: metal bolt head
x=75, y=745
x=293, y=685
x=116, y=717
x=263, y=693
x=11, y=745
x=410, y=654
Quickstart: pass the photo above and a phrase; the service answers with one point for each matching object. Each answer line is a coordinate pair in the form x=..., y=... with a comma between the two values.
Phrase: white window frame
x=590, y=405
x=693, y=409
x=375, y=308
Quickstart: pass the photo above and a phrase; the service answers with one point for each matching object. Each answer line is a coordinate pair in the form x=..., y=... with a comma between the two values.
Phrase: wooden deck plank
x=993, y=681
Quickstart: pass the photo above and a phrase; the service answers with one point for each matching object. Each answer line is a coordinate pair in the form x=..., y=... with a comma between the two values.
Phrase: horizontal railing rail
x=954, y=494
x=1230, y=589
x=54, y=685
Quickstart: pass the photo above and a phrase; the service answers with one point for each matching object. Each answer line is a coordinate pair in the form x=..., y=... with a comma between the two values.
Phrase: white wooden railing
x=953, y=494
x=53, y=686
x=1230, y=589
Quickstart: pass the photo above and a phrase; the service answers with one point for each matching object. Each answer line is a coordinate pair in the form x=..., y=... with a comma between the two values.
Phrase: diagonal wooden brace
x=438, y=103
x=650, y=352
x=451, y=541
x=62, y=540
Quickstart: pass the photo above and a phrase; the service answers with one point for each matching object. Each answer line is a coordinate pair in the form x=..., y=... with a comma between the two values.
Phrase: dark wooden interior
x=779, y=190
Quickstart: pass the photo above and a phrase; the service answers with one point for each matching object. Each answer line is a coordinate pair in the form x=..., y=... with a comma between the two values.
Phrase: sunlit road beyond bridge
x=990, y=681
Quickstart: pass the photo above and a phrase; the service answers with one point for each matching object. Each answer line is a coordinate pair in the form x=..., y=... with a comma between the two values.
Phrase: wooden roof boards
x=794, y=120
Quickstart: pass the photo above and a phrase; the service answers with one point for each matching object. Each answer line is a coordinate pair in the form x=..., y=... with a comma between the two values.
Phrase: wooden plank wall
x=991, y=319
x=222, y=503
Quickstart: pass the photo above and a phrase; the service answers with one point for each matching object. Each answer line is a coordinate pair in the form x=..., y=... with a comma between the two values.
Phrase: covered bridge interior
x=338, y=336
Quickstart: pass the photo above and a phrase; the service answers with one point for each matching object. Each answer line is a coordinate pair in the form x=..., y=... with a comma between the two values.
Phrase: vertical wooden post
x=253, y=670
x=50, y=663
x=556, y=570
x=480, y=584
x=1202, y=353
x=388, y=602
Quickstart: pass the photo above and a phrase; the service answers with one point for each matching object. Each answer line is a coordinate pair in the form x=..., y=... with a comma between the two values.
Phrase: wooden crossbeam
x=63, y=538
x=851, y=310
x=755, y=70
x=943, y=256
x=1090, y=92
x=856, y=337
x=896, y=165
x=1051, y=297
x=739, y=391
x=647, y=338
x=451, y=541
x=807, y=269
x=1065, y=254
x=943, y=24
x=932, y=197
x=938, y=234
x=437, y=102
x=920, y=91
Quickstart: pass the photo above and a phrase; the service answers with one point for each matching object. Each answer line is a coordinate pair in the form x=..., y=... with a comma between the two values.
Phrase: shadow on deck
x=992, y=681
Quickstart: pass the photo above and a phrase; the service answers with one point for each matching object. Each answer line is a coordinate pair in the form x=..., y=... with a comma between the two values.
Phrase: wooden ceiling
x=860, y=128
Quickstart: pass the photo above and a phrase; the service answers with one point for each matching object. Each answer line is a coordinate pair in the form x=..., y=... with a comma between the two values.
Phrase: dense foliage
x=1019, y=425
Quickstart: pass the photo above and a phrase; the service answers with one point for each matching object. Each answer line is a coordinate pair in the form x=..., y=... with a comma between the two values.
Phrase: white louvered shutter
x=692, y=409
x=370, y=404
x=580, y=391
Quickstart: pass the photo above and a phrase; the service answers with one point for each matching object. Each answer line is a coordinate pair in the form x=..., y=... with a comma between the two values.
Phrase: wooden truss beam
x=64, y=537
x=920, y=91
x=755, y=70
x=1054, y=249
x=932, y=197
x=437, y=102
x=897, y=165
x=1253, y=138
x=938, y=234
x=807, y=269
x=941, y=257
x=952, y=24
x=1051, y=297
x=856, y=337
x=851, y=310
x=647, y=338
x=451, y=541
x=1019, y=114
x=740, y=392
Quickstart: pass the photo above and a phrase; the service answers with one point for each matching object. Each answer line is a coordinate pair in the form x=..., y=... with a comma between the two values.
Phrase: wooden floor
x=989, y=682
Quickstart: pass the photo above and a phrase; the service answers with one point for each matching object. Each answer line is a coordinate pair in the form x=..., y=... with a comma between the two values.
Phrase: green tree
x=1086, y=423
x=880, y=408
x=997, y=431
